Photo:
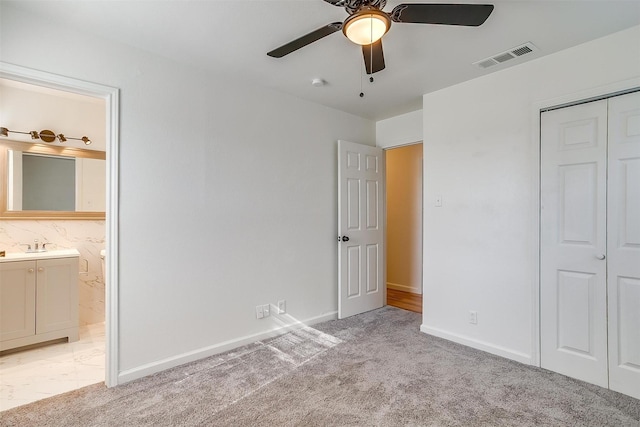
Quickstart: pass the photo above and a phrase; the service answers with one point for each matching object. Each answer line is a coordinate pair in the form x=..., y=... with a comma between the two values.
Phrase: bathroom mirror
x=42, y=181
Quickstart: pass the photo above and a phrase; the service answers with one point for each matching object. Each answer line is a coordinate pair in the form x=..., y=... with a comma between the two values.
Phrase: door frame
x=384, y=208
x=613, y=89
x=111, y=97
x=391, y=146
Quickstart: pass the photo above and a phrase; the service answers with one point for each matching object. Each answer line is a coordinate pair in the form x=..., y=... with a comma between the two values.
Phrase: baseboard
x=289, y=324
x=404, y=288
x=479, y=345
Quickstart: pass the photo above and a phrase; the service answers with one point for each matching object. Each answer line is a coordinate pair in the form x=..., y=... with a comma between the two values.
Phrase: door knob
x=40, y=268
x=31, y=270
x=345, y=238
x=601, y=257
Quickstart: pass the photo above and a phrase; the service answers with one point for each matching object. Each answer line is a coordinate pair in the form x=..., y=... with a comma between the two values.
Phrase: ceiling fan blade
x=305, y=40
x=471, y=15
x=339, y=3
x=352, y=6
x=375, y=64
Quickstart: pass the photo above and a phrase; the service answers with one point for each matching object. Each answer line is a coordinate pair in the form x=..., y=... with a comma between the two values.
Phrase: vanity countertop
x=23, y=256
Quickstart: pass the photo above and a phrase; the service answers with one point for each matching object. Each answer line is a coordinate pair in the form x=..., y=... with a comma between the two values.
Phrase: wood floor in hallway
x=405, y=300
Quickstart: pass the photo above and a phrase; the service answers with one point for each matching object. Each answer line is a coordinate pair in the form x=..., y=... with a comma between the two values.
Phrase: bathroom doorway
x=40, y=371
x=404, y=182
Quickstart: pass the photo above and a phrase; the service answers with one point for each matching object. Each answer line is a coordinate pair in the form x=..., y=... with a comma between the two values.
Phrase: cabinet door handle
x=30, y=270
x=40, y=268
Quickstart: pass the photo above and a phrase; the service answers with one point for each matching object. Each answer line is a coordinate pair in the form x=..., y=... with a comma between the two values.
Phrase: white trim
x=191, y=356
x=384, y=225
x=403, y=288
x=479, y=345
x=111, y=98
x=399, y=145
x=536, y=108
x=112, y=320
x=535, y=237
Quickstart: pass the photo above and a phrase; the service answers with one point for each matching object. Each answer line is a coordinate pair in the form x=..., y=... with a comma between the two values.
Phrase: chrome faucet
x=36, y=246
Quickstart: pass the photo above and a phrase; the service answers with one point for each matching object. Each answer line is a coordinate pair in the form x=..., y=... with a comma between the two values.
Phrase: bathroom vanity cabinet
x=38, y=298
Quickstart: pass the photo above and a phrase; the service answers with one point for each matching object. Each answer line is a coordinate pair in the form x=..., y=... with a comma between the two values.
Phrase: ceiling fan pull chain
x=371, y=62
x=361, y=76
x=371, y=51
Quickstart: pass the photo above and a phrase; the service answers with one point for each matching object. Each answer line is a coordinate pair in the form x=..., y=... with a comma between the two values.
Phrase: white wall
x=404, y=218
x=25, y=108
x=227, y=195
x=480, y=154
x=399, y=130
x=91, y=187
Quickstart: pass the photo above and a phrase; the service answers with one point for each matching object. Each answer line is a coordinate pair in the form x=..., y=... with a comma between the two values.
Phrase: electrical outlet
x=473, y=317
x=259, y=311
x=266, y=309
x=282, y=306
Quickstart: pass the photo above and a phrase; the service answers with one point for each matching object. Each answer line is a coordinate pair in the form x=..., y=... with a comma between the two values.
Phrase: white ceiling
x=231, y=38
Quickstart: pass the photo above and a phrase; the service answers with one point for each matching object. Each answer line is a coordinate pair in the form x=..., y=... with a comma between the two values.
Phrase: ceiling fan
x=367, y=23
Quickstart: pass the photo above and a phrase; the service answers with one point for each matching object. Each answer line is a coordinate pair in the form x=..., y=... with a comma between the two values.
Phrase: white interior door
x=360, y=228
x=623, y=247
x=573, y=287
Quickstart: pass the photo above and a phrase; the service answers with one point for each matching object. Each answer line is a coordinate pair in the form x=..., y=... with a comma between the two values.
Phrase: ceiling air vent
x=523, y=50
x=486, y=64
x=506, y=56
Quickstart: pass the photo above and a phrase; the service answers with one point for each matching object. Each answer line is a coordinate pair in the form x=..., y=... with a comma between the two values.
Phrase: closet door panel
x=623, y=243
x=573, y=310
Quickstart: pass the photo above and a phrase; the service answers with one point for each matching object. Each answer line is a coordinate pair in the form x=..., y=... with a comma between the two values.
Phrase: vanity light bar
x=45, y=135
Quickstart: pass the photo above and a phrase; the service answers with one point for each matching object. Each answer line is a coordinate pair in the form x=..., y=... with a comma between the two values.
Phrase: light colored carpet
x=371, y=369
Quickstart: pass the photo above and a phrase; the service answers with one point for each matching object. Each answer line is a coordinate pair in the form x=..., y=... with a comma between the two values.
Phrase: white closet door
x=573, y=291
x=623, y=246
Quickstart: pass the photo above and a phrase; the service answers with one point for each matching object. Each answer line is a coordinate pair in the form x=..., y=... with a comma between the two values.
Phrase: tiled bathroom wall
x=88, y=237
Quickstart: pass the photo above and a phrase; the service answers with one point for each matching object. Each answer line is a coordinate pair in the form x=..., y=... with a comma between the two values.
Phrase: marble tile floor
x=35, y=374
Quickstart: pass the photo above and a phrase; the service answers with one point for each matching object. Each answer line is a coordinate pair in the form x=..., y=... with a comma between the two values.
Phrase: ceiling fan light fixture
x=366, y=26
